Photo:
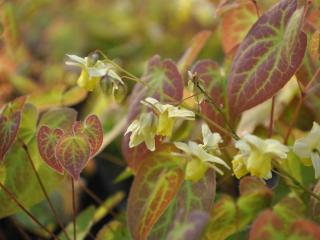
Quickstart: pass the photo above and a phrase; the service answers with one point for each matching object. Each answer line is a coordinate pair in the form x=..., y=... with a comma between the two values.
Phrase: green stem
x=74, y=210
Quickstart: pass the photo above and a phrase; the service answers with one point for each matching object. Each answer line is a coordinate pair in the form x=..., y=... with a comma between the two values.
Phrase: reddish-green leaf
x=73, y=152
x=14, y=106
x=235, y=24
x=214, y=83
x=9, y=127
x=163, y=82
x=156, y=183
x=62, y=117
x=191, y=197
x=92, y=129
x=47, y=140
x=268, y=57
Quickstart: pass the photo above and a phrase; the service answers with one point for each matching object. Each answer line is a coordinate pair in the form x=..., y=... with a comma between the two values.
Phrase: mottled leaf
x=47, y=140
x=92, y=129
x=9, y=127
x=267, y=58
x=235, y=24
x=162, y=81
x=59, y=118
x=156, y=183
x=191, y=197
x=14, y=106
x=73, y=152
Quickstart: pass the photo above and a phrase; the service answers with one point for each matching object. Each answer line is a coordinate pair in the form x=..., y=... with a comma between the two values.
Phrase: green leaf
x=59, y=118
x=115, y=230
x=156, y=183
x=28, y=125
x=268, y=57
x=84, y=221
x=18, y=176
x=73, y=152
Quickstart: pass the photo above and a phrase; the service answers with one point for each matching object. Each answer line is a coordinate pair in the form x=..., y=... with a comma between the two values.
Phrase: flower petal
x=315, y=158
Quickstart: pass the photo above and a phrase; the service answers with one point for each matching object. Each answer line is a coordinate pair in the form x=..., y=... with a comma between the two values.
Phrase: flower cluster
x=160, y=121
x=202, y=156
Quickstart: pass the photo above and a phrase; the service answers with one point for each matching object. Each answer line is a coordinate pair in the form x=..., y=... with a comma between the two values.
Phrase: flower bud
x=120, y=92
x=106, y=85
x=93, y=58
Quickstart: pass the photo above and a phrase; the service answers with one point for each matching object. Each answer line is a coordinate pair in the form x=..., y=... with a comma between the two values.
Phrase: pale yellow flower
x=256, y=156
x=309, y=148
x=202, y=156
x=91, y=71
x=167, y=114
x=143, y=130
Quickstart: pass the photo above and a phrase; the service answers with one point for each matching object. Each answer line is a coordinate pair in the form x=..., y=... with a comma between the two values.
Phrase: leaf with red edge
x=47, y=140
x=268, y=57
x=235, y=24
x=156, y=183
x=164, y=83
x=305, y=229
x=9, y=127
x=73, y=152
x=92, y=129
x=191, y=197
x=214, y=83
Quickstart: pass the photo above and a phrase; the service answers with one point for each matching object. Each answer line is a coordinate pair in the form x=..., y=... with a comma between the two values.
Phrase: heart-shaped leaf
x=157, y=182
x=9, y=127
x=14, y=106
x=73, y=152
x=47, y=140
x=92, y=129
x=268, y=57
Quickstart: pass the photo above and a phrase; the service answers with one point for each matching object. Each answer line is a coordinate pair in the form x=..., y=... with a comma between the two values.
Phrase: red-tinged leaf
x=164, y=83
x=190, y=55
x=235, y=25
x=156, y=183
x=268, y=57
x=47, y=140
x=92, y=129
x=266, y=226
x=191, y=197
x=9, y=127
x=305, y=229
x=14, y=106
x=73, y=152
x=209, y=74
x=315, y=45
x=251, y=184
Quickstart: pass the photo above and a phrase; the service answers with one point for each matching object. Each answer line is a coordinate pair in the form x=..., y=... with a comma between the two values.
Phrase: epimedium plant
x=177, y=171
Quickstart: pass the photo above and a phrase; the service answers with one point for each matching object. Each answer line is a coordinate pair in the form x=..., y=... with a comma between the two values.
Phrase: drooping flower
x=167, y=114
x=143, y=130
x=202, y=156
x=91, y=71
x=256, y=156
x=309, y=148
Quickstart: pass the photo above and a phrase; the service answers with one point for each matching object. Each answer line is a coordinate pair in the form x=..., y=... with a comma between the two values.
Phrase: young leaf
x=47, y=140
x=92, y=129
x=14, y=106
x=9, y=127
x=73, y=152
x=28, y=125
x=267, y=58
x=156, y=183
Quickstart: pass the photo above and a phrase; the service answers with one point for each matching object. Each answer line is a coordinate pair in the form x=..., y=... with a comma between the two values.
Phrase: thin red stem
x=45, y=191
x=14, y=199
x=74, y=210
